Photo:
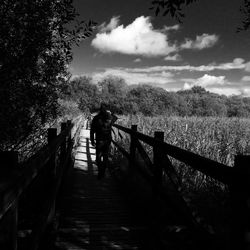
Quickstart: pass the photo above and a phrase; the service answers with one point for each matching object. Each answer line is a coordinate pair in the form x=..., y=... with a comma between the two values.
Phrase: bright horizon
x=130, y=42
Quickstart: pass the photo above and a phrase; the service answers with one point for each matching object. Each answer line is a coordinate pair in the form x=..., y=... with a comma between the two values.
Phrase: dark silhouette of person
x=100, y=136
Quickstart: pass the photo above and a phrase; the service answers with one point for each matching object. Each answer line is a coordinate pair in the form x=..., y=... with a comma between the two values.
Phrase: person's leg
x=99, y=158
x=105, y=154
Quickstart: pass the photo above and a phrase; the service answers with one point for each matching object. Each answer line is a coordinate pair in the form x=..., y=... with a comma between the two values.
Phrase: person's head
x=103, y=108
x=107, y=115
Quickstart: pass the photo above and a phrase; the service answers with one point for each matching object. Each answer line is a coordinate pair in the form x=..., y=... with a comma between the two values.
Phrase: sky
x=131, y=42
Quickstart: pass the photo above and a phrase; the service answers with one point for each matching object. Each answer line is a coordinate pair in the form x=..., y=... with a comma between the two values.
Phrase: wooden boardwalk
x=93, y=214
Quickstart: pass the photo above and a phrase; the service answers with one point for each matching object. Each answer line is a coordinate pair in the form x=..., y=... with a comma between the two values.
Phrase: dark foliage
x=245, y=10
x=150, y=101
x=170, y=7
x=35, y=49
x=175, y=9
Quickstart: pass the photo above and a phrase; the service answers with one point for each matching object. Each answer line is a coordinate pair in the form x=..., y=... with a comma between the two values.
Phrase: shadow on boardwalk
x=93, y=214
x=117, y=213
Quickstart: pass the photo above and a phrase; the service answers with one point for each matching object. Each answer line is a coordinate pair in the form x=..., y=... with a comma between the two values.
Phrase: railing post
x=240, y=197
x=8, y=228
x=132, y=146
x=69, y=122
x=158, y=161
x=52, y=133
x=63, y=145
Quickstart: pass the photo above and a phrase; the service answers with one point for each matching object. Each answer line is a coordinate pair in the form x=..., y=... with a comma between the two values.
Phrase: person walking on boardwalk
x=100, y=136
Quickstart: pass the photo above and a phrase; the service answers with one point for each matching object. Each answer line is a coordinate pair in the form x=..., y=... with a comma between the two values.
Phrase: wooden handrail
x=19, y=180
x=237, y=179
x=15, y=181
x=207, y=166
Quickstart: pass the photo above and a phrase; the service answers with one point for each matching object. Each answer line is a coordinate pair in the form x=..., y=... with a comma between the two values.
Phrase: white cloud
x=228, y=91
x=205, y=81
x=114, y=22
x=160, y=78
x=140, y=38
x=175, y=57
x=201, y=42
x=168, y=81
x=218, y=85
x=225, y=91
x=137, y=38
x=174, y=27
x=237, y=63
x=245, y=92
x=137, y=60
x=245, y=78
x=208, y=80
x=247, y=66
x=231, y=91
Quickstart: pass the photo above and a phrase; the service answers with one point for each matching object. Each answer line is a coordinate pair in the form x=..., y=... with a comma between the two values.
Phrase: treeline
x=150, y=101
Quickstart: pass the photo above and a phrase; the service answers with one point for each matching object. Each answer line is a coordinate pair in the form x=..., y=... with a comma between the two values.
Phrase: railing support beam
x=52, y=133
x=63, y=145
x=240, y=197
x=9, y=223
x=133, y=146
x=158, y=162
x=69, y=123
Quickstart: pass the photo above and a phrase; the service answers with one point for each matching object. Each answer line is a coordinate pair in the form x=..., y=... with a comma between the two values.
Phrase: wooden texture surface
x=93, y=214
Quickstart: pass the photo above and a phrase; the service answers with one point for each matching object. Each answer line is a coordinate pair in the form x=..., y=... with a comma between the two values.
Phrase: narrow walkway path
x=94, y=215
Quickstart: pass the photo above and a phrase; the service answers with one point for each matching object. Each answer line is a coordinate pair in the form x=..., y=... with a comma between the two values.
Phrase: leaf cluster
x=35, y=50
x=245, y=10
x=172, y=7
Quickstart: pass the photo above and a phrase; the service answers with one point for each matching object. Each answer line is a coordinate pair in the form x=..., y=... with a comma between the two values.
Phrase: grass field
x=219, y=139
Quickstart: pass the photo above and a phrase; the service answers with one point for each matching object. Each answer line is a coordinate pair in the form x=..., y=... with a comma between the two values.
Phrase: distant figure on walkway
x=100, y=136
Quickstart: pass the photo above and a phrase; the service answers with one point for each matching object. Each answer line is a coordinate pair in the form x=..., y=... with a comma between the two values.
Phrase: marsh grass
x=219, y=139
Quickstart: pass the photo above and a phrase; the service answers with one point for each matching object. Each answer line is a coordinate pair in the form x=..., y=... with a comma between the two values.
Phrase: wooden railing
x=29, y=191
x=237, y=178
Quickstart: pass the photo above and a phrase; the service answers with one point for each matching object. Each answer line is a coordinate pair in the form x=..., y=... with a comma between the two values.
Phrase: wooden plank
x=10, y=192
x=144, y=155
x=8, y=226
x=93, y=214
x=48, y=210
x=240, y=197
x=122, y=150
x=158, y=158
x=132, y=148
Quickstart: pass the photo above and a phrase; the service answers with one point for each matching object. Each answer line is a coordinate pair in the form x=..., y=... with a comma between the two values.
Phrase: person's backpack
x=104, y=126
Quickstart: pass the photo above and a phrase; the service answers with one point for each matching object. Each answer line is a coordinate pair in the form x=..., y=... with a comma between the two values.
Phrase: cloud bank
x=160, y=78
x=104, y=27
x=137, y=38
x=169, y=77
x=237, y=63
x=246, y=78
x=201, y=42
x=175, y=57
x=140, y=38
x=137, y=60
x=205, y=81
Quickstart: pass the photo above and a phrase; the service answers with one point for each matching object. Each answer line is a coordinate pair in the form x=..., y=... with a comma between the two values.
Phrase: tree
x=175, y=9
x=113, y=90
x=35, y=50
x=237, y=107
x=246, y=13
x=172, y=7
x=113, y=86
